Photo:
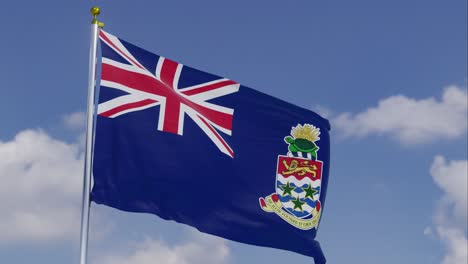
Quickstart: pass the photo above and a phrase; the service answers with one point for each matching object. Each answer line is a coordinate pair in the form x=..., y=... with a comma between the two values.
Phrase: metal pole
x=89, y=137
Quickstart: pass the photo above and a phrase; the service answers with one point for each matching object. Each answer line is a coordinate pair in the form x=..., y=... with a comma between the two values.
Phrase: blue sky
x=390, y=75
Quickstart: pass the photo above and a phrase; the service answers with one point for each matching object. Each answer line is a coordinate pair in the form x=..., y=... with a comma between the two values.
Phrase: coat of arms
x=298, y=180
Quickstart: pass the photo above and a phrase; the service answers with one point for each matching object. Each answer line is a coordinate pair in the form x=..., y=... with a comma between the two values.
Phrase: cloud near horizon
x=40, y=201
x=409, y=120
x=450, y=215
x=198, y=249
x=41, y=187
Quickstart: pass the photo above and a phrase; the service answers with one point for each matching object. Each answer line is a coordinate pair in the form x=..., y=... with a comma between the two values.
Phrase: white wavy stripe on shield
x=305, y=207
x=301, y=195
x=297, y=182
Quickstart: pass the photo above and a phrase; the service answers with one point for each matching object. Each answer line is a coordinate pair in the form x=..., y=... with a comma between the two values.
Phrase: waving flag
x=202, y=150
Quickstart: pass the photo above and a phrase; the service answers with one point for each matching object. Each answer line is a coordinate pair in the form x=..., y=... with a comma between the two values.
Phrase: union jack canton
x=156, y=84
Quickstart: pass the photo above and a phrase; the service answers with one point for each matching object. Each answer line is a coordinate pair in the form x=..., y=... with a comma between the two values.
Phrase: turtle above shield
x=301, y=141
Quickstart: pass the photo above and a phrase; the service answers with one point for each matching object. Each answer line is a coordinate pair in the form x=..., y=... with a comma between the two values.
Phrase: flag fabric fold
x=205, y=151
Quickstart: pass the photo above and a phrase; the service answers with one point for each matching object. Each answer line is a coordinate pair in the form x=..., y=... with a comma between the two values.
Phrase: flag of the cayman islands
x=205, y=151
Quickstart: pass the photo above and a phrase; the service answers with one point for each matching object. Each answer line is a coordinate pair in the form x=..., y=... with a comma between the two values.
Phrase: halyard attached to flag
x=202, y=150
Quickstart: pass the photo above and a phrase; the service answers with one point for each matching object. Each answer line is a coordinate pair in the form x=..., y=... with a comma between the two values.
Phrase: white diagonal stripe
x=175, y=83
x=218, y=108
x=204, y=96
x=119, y=45
x=130, y=90
x=134, y=109
x=202, y=85
x=121, y=100
x=159, y=67
x=194, y=115
x=126, y=67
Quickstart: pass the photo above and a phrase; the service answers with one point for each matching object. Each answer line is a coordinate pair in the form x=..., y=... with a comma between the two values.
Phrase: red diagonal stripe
x=219, y=118
x=128, y=106
x=209, y=87
x=135, y=80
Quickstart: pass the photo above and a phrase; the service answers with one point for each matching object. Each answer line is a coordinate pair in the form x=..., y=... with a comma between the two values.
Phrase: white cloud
x=456, y=243
x=40, y=188
x=452, y=178
x=411, y=120
x=450, y=217
x=76, y=120
x=323, y=111
x=201, y=249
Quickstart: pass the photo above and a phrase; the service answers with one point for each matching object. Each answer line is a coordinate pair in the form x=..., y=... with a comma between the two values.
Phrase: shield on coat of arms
x=298, y=184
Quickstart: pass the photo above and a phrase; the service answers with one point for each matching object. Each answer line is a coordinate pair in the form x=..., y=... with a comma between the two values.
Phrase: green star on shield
x=310, y=192
x=297, y=203
x=287, y=189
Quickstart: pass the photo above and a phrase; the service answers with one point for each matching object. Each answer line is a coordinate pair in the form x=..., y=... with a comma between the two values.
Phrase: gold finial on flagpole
x=95, y=11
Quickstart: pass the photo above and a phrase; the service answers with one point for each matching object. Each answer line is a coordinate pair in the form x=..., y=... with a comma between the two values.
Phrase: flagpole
x=95, y=24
